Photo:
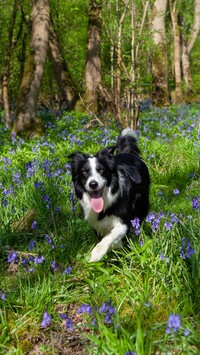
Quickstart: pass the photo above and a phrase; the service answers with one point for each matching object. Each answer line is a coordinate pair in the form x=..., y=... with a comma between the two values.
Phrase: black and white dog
x=112, y=189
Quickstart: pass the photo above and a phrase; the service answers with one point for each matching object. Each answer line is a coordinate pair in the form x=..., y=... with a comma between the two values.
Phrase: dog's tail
x=127, y=142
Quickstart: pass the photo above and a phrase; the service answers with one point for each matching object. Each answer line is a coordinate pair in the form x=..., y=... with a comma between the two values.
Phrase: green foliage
x=124, y=302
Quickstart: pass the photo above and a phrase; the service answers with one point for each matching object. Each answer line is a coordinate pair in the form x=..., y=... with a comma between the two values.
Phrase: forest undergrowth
x=143, y=299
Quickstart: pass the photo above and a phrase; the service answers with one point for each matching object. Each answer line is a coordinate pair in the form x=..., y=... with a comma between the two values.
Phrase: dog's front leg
x=112, y=240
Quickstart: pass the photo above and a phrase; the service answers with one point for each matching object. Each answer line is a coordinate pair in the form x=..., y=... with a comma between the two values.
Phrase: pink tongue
x=96, y=202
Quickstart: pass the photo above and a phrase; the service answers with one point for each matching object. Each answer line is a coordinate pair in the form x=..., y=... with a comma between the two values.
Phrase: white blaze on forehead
x=94, y=174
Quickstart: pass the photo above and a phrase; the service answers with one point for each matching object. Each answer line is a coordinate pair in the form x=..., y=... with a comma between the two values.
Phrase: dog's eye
x=84, y=171
x=100, y=170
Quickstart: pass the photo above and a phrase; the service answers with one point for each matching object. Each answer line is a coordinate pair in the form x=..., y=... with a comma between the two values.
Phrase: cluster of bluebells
x=186, y=250
x=136, y=225
x=174, y=324
x=155, y=220
x=30, y=261
x=107, y=310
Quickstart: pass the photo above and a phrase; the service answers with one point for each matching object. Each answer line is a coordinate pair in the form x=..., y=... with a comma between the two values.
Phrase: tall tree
x=187, y=46
x=26, y=122
x=6, y=70
x=160, y=95
x=64, y=80
x=178, y=94
x=93, y=58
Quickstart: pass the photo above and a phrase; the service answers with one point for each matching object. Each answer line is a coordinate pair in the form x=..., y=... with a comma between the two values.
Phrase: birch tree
x=25, y=121
x=160, y=95
x=93, y=57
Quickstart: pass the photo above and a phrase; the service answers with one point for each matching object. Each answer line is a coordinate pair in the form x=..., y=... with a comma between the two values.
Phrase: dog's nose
x=93, y=184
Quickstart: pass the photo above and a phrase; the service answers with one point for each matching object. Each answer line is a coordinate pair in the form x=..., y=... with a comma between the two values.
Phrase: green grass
x=145, y=282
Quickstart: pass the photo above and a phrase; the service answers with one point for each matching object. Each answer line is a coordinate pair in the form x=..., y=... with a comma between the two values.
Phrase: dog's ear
x=106, y=152
x=78, y=156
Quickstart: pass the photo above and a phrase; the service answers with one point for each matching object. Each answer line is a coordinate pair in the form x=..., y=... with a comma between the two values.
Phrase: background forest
x=72, y=74
x=97, y=56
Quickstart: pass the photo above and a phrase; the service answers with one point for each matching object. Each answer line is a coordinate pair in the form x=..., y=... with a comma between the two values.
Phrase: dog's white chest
x=103, y=226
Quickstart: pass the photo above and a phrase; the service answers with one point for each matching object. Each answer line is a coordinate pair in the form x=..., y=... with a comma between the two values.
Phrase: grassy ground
x=143, y=299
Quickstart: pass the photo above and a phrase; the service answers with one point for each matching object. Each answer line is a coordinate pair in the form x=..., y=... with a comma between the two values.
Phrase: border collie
x=112, y=190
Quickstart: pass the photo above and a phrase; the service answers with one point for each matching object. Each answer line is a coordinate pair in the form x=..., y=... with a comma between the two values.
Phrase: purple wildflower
x=109, y=310
x=12, y=257
x=185, y=250
x=186, y=332
x=151, y=216
x=195, y=203
x=176, y=192
x=38, y=184
x=67, y=270
x=34, y=225
x=174, y=323
x=4, y=202
x=130, y=353
x=155, y=224
x=68, y=323
x=32, y=245
x=54, y=266
x=168, y=225
x=46, y=320
x=85, y=308
x=136, y=225
x=38, y=259
x=3, y=296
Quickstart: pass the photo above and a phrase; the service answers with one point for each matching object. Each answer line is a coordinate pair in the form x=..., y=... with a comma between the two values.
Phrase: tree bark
x=93, y=59
x=186, y=64
x=26, y=123
x=160, y=95
x=65, y=83
x=6, y=70
x=196, y=26
x=178, y=94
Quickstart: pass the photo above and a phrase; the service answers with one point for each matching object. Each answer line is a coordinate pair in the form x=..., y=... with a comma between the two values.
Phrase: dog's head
x=92, y=174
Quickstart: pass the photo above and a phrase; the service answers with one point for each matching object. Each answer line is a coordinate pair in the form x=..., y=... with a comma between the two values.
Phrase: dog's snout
x=93, y=184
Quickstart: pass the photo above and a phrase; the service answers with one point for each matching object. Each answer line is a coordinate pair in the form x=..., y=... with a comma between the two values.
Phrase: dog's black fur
x=121, y=183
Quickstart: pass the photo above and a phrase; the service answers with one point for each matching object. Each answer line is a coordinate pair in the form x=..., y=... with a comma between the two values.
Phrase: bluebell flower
x=3, y=296
x=12, y=257
x=39, y=260
x=186, y=250
x=186, y=332
x=38, y=184
x=195, y=203
x=174, y=323
x=4, y=202
x=34, y=225
x=129, y=353
x=68, y=322
x=85, y=308
x=136, y=225
x=46, y=320
x=168, y=225
x=32, y=245
x=67, y=270
x=151, y=216
x=54, y=266
x=176, y=192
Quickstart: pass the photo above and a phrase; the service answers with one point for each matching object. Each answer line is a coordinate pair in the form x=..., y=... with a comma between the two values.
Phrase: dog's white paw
x=98, y=252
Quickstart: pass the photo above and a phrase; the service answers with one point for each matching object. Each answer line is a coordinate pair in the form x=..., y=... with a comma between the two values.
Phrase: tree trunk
x=6, y=70
x=65, y=83
x=196, y=26
x=160, y=95
x=93, y=60
x=26, y=123
x=178, y=94
x=186, y=64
